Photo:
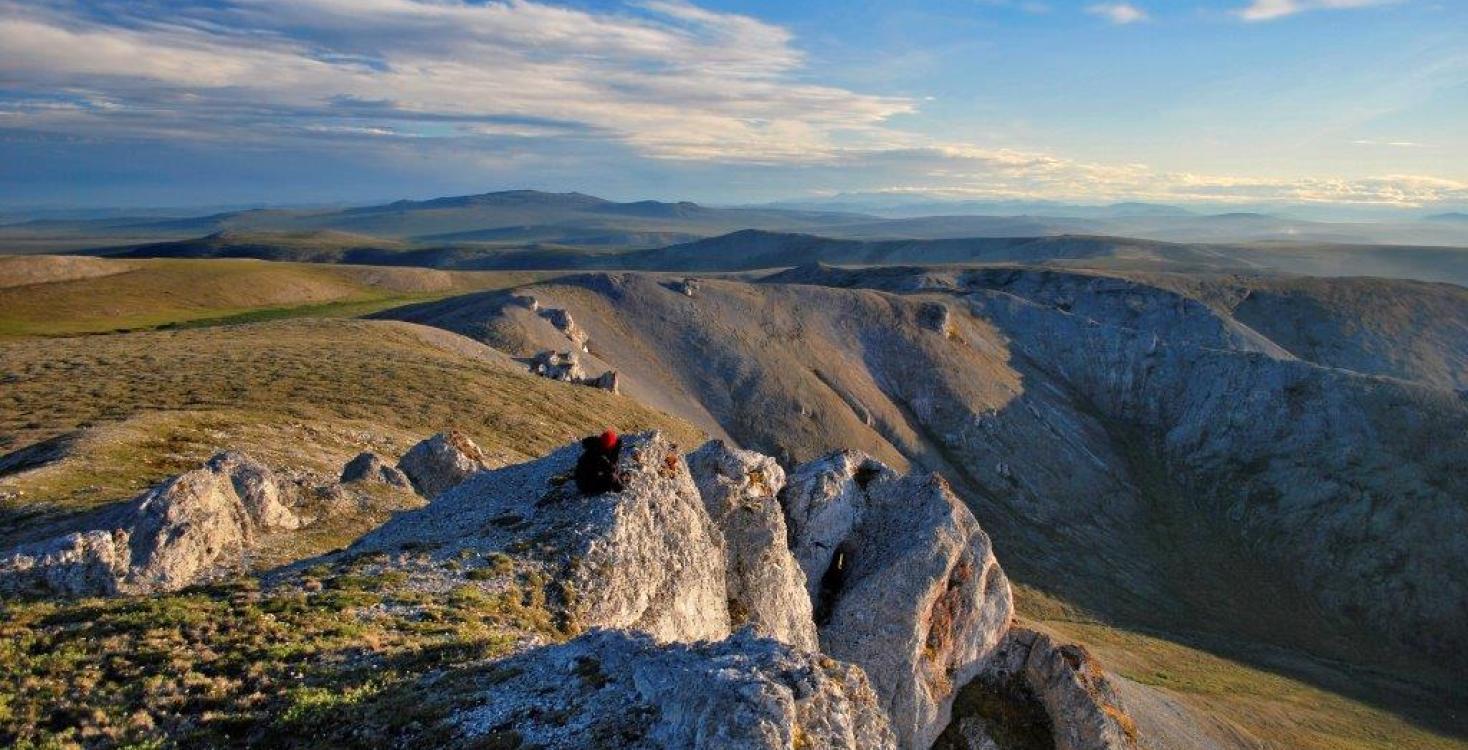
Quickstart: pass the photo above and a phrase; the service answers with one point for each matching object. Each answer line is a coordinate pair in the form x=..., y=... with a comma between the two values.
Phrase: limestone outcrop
x=562, y=366
x=766, y=587
x=619, y=689
x=441, y=462
x=647, y=558
x=824, y=500
x=564, y=323
x=370, y=467
x=909, y=604
x=1053, y=694
x=566, y=367
x=913, y=595
x=195, y=525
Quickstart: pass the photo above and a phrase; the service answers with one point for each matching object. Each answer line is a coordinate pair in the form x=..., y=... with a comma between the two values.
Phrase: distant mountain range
x=526, y=229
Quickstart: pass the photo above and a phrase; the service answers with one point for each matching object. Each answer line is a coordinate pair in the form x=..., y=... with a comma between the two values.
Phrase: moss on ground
x=352, y=659
x=1249, y=686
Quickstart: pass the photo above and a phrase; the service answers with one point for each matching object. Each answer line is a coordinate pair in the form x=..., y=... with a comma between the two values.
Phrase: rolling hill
x=63, y=295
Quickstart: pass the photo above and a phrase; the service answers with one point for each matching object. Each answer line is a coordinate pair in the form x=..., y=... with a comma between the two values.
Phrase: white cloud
x=1392, y=144
x=514, y=84
x=1118, y=13
x=671, y=80
x=1268, y=10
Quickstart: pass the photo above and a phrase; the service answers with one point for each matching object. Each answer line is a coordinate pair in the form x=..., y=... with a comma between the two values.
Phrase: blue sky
x=1350, y=103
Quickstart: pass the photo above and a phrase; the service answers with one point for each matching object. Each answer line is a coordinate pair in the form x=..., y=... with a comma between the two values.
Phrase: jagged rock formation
x=370, y=467
x=606, y=381
x=441, y=462
x=647, y=558
x=187, y=529
x=1036, y=693
x=909, y=593
x=564, y=323
x=824, y=500
x=561, y=366
x=909, y=590
x=566, y=367
x=766, y=587
x=618, y=689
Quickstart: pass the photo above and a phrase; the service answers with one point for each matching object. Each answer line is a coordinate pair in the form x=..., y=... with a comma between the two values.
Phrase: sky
x=1357, y=104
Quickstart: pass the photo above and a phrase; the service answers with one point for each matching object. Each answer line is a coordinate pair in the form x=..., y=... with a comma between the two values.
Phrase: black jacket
x=596, y=470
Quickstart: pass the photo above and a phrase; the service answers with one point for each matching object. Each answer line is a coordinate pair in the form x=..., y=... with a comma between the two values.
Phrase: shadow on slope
x=1091, y=428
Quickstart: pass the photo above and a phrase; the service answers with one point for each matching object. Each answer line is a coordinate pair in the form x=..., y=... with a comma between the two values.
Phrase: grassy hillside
x=302, y=395
x=57, y=296
x=1258, y=697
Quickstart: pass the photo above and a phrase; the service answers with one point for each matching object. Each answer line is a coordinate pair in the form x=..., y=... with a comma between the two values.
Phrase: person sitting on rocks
x=596, y=470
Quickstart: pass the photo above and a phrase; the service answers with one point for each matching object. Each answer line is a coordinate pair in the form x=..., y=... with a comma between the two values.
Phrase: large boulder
x=646, y=558
x=184, y=531
x=766, y=587
x=1052, y=693
x=370, y=467
x=618, y=689
x=441, y=462
x=910, y=590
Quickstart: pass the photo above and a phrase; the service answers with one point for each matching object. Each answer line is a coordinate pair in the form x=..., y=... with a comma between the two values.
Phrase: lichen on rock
x=622, y=689
x=184, y=531
x=766, y=586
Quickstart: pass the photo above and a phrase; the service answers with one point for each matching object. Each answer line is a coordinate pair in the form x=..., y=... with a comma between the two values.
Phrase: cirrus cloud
x=1118, y=13
x=1268, y=10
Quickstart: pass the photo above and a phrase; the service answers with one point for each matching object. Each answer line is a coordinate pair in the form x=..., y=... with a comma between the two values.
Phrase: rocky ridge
x=698, y=551
x=697, y=625
x=195, y=525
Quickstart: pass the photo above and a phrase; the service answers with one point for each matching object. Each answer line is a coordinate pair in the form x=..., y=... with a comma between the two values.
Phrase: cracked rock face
x=910, y=589
x=647, y=558
x=766, y=587
x=619, y=689
x=1078, y=707
x=441, y=462
x=196, y=525
x=823, y=501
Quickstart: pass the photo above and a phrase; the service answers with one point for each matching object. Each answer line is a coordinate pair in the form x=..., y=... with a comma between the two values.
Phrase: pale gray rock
x=766, y=587
x=619, y=689
x=564, y=323
x=916, y=598
x=79, y=564
x=647, y=558
x=441, y=462
x=562, y=366
x=1084, y=709
x=823, y=501
x=257, y=488
x=186, y=530
x=370, y=467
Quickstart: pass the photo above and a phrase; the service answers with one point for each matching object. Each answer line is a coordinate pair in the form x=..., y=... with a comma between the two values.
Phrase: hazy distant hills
x=516, y=217
x=528, y=217
x=751, y=250
x=526, y=229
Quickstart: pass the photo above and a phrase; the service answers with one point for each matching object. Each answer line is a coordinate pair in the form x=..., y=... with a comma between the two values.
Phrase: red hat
x=609, y=439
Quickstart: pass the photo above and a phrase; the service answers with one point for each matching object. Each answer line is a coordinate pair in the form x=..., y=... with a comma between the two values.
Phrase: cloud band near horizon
x=517, y=82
